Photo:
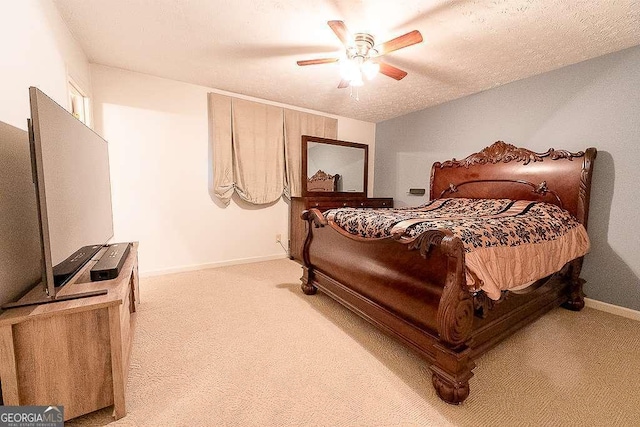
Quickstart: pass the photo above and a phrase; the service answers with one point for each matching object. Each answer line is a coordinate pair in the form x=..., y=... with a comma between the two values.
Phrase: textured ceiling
x=251, y=46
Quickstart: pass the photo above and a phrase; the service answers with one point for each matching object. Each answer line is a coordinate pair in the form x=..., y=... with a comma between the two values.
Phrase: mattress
x=508, y=244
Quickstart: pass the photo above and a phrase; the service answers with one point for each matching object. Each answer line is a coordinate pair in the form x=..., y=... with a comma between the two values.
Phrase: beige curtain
x=258, y=151
x=221, y=141
x=257, y=148
x=296, y=124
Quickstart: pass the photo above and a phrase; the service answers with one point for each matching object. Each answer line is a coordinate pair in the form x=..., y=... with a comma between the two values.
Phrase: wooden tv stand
x=73, y=353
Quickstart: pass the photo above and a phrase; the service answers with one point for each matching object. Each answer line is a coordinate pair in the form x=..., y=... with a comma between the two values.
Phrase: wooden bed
x=416, y=291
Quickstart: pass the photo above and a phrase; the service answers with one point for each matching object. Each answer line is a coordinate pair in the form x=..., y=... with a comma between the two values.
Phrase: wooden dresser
x=297, y=227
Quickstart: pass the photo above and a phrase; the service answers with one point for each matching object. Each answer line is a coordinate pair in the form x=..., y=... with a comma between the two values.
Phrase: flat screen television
x=70, y=163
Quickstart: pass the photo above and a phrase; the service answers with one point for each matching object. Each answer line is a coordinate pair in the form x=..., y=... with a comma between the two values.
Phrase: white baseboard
x=211, y=265
x=613, y=309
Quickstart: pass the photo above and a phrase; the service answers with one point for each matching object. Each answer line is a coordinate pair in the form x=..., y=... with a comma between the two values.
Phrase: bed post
x=451, y=373
x=311, y=217
x=576, y=295
x=307, y=279
x=453, y=365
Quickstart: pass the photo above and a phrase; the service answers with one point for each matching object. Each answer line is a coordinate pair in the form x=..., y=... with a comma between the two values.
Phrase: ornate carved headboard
x=505, y=171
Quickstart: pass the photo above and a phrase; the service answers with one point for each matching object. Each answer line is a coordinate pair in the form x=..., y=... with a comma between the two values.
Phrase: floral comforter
x=508, y=244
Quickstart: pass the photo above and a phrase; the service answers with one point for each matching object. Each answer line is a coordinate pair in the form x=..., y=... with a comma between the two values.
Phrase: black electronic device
x=110, y=263
x=66, y=269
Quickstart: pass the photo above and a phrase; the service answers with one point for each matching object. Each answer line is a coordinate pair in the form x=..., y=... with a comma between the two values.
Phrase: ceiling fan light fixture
x=349, y=69
x=356, y=81
x=370, y=69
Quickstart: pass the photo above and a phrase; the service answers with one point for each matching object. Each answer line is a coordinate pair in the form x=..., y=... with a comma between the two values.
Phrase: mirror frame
x=306, y=139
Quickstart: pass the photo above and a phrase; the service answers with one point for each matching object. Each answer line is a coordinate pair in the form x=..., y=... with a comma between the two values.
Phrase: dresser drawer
x=324, y=205
x=331, y=204
x=376, y=203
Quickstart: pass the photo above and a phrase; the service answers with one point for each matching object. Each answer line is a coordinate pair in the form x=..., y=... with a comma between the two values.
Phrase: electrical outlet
x=278, y=238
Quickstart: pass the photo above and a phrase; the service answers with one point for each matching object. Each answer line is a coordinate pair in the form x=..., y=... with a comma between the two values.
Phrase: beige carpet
x=242, y=346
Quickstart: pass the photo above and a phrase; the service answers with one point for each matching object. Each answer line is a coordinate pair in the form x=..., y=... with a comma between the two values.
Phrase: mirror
x=331, y=167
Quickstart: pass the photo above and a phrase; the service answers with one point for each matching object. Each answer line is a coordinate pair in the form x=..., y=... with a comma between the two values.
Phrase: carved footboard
x=414, y=290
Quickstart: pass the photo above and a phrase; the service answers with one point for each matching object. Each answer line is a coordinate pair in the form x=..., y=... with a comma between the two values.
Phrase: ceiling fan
x=362, y=53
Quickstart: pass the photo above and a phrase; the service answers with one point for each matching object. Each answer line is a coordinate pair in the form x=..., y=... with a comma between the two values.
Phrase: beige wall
x=36, y=49
x=158, y=135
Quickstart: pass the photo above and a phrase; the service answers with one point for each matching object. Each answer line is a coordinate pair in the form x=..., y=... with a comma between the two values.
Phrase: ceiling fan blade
x=343, y=83
x=317, y=61
x=341, y=31
x=391, y=71
x=399, y=42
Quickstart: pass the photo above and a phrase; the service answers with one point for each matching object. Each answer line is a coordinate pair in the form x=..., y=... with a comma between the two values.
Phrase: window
x=79, y=103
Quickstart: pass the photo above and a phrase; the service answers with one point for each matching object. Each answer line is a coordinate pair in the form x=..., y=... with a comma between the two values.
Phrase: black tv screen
x=73, y=183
